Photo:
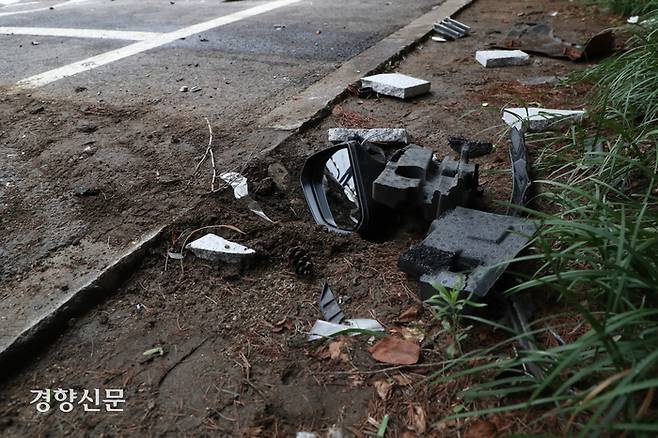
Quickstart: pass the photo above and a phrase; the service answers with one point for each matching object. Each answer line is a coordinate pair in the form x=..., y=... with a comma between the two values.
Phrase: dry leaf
x=336, y=350
x=410, y=314
x=383, y=388
x=417, y=418
x=410, y=333
x=482, y=429
x=408, y=434
x=282, y=325
x=395, y=351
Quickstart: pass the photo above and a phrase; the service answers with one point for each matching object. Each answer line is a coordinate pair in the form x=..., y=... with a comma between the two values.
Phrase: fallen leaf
x=383, y=388
x=282, y=325
x=408, y=434
x=417, y=419
x=410, y=333
x=410, y=314
x=337, y=350
x=396, y=351
x=482, y=429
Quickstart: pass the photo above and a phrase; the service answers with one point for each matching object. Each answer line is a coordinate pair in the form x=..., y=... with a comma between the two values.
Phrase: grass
x=626, y=92
x=596, y=252
x=627, y=7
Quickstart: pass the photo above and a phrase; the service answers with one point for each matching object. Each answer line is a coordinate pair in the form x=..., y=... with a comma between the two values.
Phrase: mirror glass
x=340, y=190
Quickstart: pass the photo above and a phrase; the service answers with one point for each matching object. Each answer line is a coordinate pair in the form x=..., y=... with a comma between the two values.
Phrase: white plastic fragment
x=376, y=135
x=396, y=85
x=540, y=119
x=238, y=182
x=502, y=58
x=633, y=20
x=217, y=249
x=241, y=190
x=323, y=329
x=438, y=39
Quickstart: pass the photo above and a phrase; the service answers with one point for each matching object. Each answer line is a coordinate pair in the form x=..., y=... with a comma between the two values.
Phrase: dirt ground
x=236, y=361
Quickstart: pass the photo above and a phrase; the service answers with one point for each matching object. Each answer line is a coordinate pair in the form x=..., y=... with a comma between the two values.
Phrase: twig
x=181, y=360
x=208, y=152
x=383, y=370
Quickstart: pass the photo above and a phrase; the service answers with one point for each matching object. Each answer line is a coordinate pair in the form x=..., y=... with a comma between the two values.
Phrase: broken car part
x=520, y=174
x=336, y=184
x=466, y=250
x=217, y=249
x=241, y=191
x=329, y=306
x=540, y=38
x=413, y=178
x=451, y=29
x=396, y=85
x=323, y=329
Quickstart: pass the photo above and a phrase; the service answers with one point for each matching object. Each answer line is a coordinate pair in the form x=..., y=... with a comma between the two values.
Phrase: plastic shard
x=217, y=249
x=329, y=306
x=541, y=119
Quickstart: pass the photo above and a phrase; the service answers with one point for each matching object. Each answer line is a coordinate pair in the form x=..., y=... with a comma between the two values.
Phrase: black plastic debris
x=451, y=29
x=467, y=148
x=539, y=38
x=329, y=306
x=413, y=178
x=520, y=173
x=83, y=191
x=474, y=249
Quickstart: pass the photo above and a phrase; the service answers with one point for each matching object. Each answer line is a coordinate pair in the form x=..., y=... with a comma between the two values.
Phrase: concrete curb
x=40, y=332
x=316, y=101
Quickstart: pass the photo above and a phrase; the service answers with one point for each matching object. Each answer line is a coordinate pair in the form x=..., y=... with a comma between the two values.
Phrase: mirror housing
x=366, y=162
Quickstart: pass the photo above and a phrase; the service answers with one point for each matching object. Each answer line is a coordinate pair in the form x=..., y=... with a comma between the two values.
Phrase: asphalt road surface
x=238, y=53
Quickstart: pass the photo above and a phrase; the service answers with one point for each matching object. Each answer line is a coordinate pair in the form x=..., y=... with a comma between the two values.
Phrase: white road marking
x=80, y=33
x=142, y=46
x=46, y=8
x=14, y=5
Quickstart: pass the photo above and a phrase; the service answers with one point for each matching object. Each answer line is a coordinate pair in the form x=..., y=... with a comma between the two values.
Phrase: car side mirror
x=337, y=186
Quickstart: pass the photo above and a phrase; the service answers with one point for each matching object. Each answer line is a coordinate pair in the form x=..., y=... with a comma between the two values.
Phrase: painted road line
x=45, y=8
x=142, y=46
x=20, y=5
x=80, y=33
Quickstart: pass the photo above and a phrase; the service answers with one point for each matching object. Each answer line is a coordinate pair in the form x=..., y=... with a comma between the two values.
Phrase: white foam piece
x=396, y=85
x=540, y=119
x=502, y=58
x=217, y=249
